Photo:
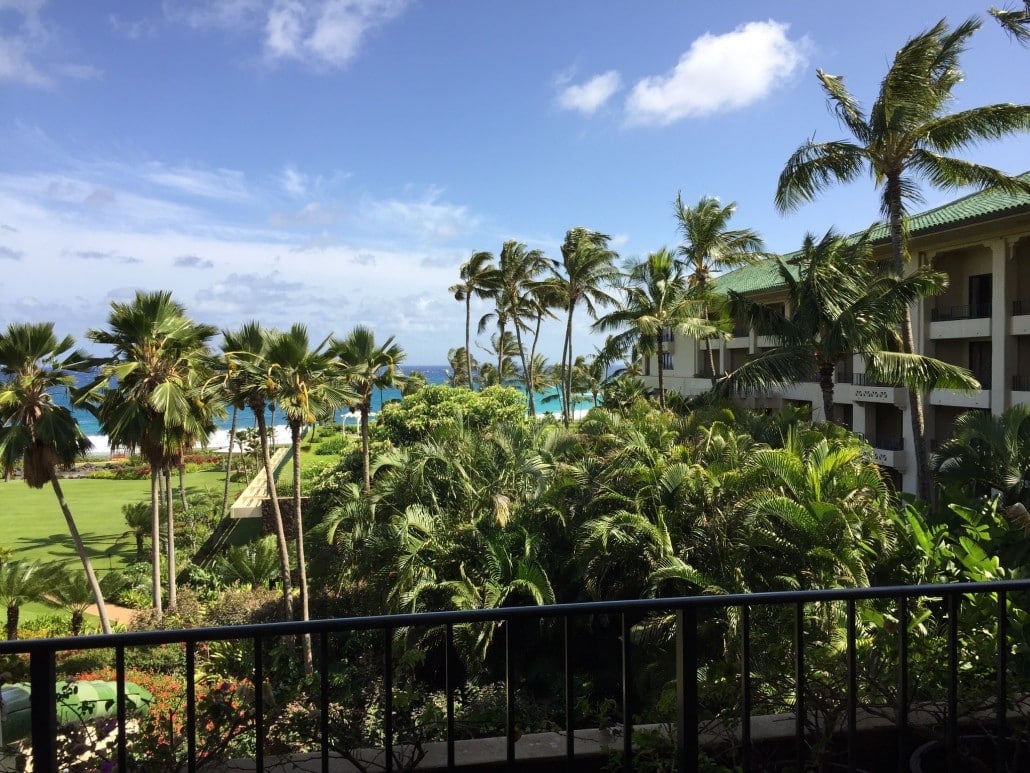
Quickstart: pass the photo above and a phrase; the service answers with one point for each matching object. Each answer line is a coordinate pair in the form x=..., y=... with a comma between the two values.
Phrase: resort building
x=982, y=322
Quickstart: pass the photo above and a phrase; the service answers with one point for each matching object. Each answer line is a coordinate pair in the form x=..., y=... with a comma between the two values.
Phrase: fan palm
x=840, y=307
x=709, y=247
x=34, y=430
x=587, y=270
x=307, y=385
x=480, y=278
x=367, y=367
x=907, y=135
x=149, y=395
x=657, y=300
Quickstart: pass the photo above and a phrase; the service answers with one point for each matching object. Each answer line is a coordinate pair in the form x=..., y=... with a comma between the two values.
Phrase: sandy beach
x=217, y=441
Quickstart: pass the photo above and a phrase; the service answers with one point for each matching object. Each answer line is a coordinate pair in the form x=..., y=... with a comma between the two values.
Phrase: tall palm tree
x=710, y=246
x=587, y=270
x=247, y=380
x=519, y=270
x=906, y=136
x=1015, y=22
x=479, y=279
x=657, y=299
x=840, y=307
x=34, y=430
x=149, y=396
x=229, y=382
x=308, y=386
x=367, y=367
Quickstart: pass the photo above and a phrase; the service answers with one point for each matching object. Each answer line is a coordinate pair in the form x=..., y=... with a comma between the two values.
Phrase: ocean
x=435, y=374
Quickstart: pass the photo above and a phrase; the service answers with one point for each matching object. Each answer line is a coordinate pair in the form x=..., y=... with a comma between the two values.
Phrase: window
x=980, y=362
x=979, y=296
x=666, y=361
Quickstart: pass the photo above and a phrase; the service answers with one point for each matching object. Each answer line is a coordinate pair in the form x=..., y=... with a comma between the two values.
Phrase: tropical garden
x=480, y=493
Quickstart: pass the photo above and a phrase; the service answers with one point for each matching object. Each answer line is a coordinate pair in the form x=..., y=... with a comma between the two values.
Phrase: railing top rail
x=430, y=619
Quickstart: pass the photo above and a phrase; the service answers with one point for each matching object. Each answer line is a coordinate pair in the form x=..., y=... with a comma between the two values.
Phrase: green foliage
x=419, y=416
x=334, y=445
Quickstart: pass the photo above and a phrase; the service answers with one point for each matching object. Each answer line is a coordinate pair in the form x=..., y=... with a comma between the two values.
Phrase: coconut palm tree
x=367, y=367
x=840, y=307
x=587, y=270
x=1016, y=22
x=307, y=385
x=36, y=432
x=149, y=396
x=906, y=136
x=657, y=301
x=228, y=382
x=480, y=278
x=246, y=378
x=709, y=247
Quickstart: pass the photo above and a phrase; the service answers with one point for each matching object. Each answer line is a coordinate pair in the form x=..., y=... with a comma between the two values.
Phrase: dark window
x=979, y=296
x=980, y=362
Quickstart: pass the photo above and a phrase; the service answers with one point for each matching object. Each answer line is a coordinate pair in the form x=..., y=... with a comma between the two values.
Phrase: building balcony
x=1019, y=325
x=1021, y=389
x=969, y=321
x=865, y=389
x=889, y=452
x=954, y=398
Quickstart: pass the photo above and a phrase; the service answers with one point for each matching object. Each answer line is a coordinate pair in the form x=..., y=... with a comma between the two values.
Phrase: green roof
x=982, y=205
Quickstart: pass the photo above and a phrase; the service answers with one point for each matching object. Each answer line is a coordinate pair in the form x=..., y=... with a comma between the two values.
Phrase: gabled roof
x=982, y=205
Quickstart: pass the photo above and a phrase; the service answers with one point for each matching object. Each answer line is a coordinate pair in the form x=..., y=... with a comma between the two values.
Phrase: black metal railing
x=667, y=335
x=689, y=614
x=844, y=376
x=864, y=379
x=666, y=361
x=1020, y=307
x=1021, y=383
x=966, y=311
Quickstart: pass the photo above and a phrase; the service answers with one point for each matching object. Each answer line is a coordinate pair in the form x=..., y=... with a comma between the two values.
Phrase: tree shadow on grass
x=59, y=546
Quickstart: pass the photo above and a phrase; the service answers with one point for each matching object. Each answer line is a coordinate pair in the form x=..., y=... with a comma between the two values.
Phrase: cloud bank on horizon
x=335, y=161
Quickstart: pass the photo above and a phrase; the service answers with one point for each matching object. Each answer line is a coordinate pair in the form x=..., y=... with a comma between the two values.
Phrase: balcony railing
x=886, y=443
x=968, y=311
x=1021, y=383
x=864, y=379
x=519, y=625
x=1020, y=307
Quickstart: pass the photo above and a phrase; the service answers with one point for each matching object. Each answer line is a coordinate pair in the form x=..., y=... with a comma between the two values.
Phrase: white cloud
x=719, y=73
x=223, y=14
x=27, y=43
x=220, y=184
x=588, y=97
x=293, y=182
x=425, y=218
x=324, y=33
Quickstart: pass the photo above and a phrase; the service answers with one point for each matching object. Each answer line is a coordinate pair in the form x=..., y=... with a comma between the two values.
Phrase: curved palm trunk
x=915, y=396
x=228, y=464
x=532, y=367
x=301, y=567
x=280, y=531
x=527, y=373
x=826, y=386
x=155, y=538
x=80, y=548
x=567, y=375
x=173, y=593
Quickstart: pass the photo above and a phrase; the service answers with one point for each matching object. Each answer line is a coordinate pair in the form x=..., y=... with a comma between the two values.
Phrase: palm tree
x=907, y=135
x=366, y=368
x=253, y=565
x=710, y=247
x=307, y=385
x=657, y=301
x=247, y=380
x=505, y=348
x=588, y=267
x=229, y=383
x=71, y=591
x=35, y=431
x=21, y=582
x=840, y=307
x=149, y=396
x=480, y=279
x=1015, y=22
x=519, y=270
x=988, y=453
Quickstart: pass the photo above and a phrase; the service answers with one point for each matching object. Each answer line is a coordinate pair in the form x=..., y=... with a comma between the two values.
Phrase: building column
x=1003, y=353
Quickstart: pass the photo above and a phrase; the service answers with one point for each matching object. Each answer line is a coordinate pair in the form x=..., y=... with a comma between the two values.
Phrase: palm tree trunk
x=280, y=531
x=155, y=538
x=76, y=622
x=532, y=360
x=661, y=374
x=826, y=385
x=468, y=340
x=301, y=568
x=711, y=359
x=366, y=477
x=228, y=464
x=181, y=467
x=527, y=373
x=13, y=613
x=915, y=396
x=173, y=594
x=80, y=548
x=567, y=375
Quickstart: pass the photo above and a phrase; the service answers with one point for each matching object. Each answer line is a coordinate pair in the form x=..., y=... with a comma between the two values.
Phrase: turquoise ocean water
x=435, y=374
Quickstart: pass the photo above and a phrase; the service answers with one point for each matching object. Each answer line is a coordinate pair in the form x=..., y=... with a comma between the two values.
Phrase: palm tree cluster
x=158, y=391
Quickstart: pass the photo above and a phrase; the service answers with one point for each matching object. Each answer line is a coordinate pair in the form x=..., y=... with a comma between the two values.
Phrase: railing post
x=627, y=694
x=686, y=690
x=43, y=710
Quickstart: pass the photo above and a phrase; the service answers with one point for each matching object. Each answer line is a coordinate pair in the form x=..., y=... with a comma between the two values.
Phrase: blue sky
x=333, y=162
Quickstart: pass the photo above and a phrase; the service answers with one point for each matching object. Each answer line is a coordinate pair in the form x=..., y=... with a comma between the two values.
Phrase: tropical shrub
x=419, y=415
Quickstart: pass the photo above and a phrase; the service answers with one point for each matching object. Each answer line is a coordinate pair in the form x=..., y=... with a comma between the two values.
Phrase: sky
x=333, y=162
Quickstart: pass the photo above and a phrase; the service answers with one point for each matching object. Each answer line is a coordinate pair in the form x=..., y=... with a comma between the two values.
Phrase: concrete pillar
x=1002, y=346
